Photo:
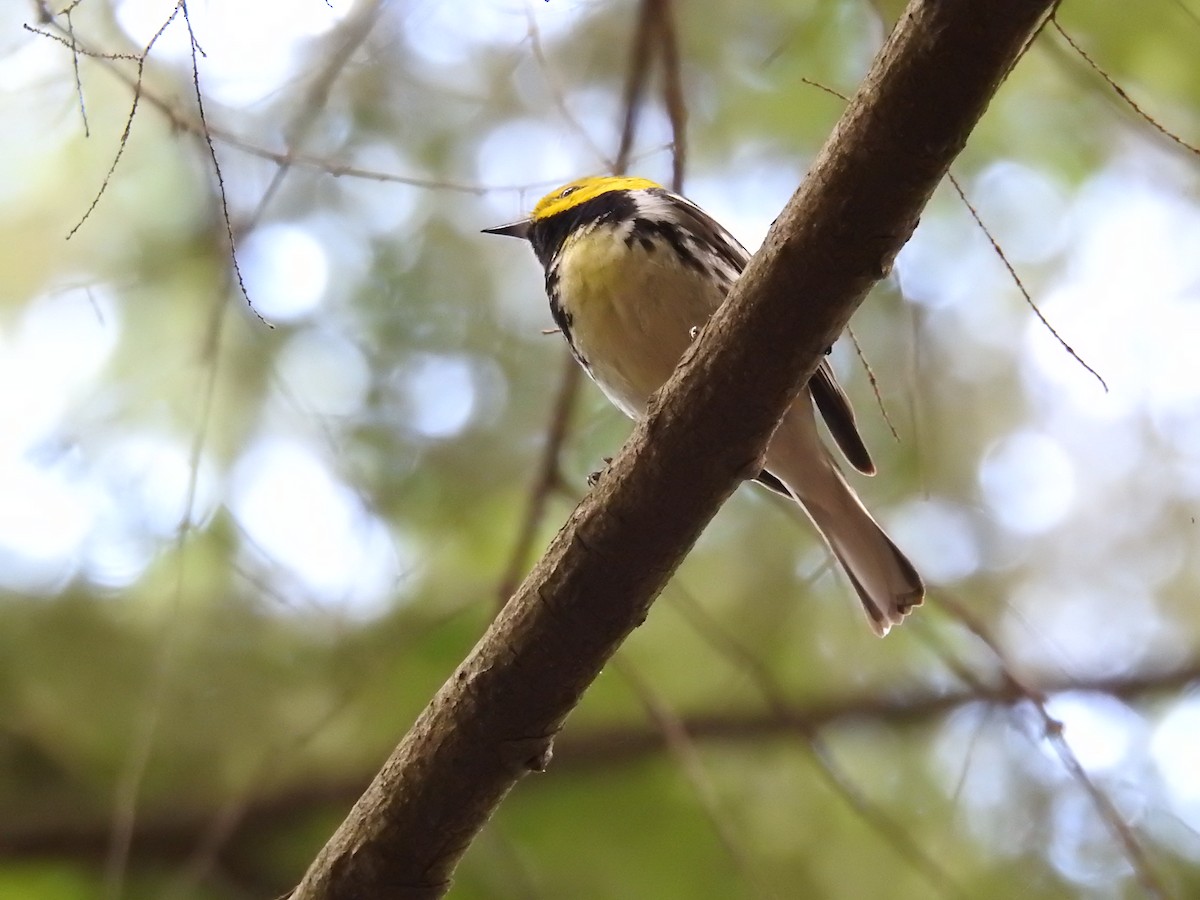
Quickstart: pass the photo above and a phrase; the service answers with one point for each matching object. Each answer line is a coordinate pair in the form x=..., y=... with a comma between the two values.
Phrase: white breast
x=632, y=311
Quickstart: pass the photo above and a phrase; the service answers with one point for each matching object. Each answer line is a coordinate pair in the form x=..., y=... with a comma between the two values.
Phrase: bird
x=632, y=271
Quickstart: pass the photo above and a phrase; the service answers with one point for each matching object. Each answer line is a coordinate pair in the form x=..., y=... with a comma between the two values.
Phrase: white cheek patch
x=619, y=232
x=654, y=206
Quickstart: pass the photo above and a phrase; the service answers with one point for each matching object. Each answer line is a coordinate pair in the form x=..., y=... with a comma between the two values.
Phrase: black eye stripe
x=548, y=234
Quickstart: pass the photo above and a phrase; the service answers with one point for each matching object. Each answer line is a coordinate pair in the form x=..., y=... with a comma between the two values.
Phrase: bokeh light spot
x=438, y=394
x=305, y=520
x=285, y=270
x=1028, y=481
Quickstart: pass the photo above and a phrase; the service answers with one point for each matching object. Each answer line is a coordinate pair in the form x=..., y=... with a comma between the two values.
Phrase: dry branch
x=172, y=835
x=494, y=719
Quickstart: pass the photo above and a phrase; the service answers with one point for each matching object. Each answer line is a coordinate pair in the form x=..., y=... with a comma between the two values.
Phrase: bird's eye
x=568, y=191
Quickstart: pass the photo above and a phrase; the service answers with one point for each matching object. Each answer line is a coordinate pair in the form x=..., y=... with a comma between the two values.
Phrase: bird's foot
x=594, y=478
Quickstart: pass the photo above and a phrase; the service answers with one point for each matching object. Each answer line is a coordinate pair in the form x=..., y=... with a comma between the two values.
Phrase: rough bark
x=495, y=718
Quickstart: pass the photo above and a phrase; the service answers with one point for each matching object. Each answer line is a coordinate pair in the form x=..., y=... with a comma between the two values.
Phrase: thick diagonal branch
x=494, y=719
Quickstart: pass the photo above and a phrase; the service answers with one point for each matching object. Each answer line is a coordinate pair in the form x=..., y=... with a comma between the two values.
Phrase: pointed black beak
x=516, y=229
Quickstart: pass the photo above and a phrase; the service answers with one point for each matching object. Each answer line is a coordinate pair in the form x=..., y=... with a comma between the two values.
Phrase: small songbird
x=632, y=271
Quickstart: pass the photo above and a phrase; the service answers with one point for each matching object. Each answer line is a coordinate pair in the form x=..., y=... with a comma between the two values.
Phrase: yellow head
x=582, y=190
x=557, y=215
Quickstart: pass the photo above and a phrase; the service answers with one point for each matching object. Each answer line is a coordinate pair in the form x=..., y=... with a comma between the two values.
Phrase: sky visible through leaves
x=370, y=453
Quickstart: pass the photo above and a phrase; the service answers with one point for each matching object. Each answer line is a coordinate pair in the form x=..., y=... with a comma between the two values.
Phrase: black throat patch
x=548, y=235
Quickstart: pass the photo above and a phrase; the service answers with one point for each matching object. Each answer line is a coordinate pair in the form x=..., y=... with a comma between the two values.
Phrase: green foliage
x=244, y=539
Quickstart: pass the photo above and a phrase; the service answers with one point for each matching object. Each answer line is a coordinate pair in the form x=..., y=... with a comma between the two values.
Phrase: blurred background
x=251, y=518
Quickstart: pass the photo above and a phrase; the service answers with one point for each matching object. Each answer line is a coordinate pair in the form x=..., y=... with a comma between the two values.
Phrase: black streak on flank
x=645, y=240
x=645, y=230
x=562, y=318
x=707, y=231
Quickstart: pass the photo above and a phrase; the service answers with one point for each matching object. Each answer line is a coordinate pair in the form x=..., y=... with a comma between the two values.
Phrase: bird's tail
x=886, y=582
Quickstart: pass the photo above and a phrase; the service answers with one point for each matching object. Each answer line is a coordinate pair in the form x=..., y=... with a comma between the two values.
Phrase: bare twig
x=185, y=123
x=1121, y=92
x=1052, y=731
x=548, y=477
x=865, y=363
x=556, y=92
x=826, y=88
x=69, y=40
x=683, y=749
x=346, y=39
x=1012, y=273
x=174, y=833
x=123, y=141
x=206, y=135
x=673, y=96
x=635, y=82
x=75, y=71
x=883, y=824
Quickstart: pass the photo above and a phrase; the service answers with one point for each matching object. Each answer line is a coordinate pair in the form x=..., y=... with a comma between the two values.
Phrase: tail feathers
x=886, y=582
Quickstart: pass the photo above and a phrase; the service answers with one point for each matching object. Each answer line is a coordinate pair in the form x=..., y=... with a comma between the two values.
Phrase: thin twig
x=673, y=97
x=1121, y=92
x=71, y=43
x=862, y=358
x=548, y=478
x=635, y=83
x=1012, y=272
x=123, y=141
x=682, y=748
x=75, y=72
x=858, y=350
x=1003, y=259
x=337, y=169
x=349, y=37
x=1052, y=731
x=826, y=88
x=222, y=195
x=556, y=92
x=888, y=829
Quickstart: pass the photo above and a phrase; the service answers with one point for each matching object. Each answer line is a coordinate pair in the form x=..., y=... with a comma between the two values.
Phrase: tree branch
x=172, y=835
x=495, y=718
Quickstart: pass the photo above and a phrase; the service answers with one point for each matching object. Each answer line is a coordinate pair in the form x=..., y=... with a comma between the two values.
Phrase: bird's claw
x=594, y=478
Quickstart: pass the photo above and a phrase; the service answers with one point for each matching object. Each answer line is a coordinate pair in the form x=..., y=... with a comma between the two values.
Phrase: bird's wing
x=831, y=400
x=835, y=409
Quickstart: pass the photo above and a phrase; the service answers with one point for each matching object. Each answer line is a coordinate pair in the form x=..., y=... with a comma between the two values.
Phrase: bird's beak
x=516, y=229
